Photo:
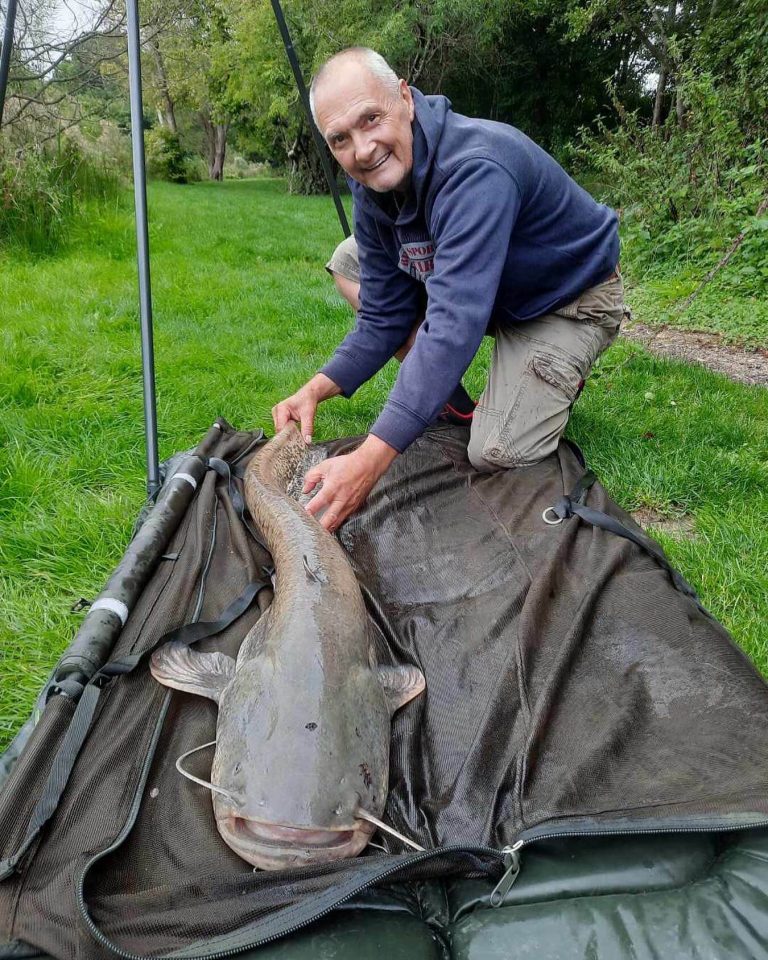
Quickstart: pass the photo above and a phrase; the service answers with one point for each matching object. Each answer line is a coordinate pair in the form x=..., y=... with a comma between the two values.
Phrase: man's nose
x=365, y=148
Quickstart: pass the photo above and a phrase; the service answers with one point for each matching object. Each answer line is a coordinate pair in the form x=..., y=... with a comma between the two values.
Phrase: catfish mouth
x=274, y=846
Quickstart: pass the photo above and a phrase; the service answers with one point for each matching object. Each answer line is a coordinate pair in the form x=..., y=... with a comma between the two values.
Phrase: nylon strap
x=58, y=775
x=221, y=467
x=573, y=505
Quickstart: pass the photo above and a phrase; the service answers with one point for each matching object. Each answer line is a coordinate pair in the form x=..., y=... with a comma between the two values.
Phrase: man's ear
x=405, y=93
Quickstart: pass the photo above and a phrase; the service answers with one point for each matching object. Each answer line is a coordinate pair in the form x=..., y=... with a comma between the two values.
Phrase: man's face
x=366, y=126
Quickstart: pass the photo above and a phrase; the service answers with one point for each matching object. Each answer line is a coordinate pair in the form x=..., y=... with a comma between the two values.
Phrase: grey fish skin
x=304, y=713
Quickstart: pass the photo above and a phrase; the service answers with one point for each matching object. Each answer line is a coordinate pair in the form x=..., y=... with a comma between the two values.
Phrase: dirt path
x=705, y=348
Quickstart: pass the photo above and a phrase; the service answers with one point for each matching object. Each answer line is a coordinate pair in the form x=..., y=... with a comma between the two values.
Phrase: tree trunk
x=680, y=106
x=219, y=151
x=658, y=104
x=215, y=145
x=168, y=114
x=306, y=174
x=679, y=102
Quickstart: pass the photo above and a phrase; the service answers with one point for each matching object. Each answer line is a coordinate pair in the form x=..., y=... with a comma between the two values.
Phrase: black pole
x=319, y=143
x=5, y=53
x=142, y=247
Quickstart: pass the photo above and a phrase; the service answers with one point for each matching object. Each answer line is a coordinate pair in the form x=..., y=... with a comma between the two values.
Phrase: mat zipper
x=513, y=861
x=491, y=852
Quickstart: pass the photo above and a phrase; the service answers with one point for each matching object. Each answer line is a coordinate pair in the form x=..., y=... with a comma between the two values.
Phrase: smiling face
x=367, y=125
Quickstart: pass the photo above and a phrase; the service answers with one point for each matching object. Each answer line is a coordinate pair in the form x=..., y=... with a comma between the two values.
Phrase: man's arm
x=389, y=308
x=346, y=481
x=472, y=220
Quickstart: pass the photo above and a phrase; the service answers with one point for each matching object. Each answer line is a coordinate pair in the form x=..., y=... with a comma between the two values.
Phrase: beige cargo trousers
x=537, y=371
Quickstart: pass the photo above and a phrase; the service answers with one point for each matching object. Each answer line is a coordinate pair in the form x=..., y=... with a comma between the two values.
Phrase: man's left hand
x=347, y=480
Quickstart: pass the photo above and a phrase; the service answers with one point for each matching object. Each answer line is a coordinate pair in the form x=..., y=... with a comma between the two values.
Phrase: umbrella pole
x=319, y=143
x=142, y=247
x=5, y=53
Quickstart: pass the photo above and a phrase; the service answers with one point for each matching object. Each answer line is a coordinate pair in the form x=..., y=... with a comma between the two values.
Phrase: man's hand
x=301, y=406
x=347, y=480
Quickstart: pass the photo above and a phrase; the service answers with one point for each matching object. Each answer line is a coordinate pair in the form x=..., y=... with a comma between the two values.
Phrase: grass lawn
x=737, y=314
x=244, y=312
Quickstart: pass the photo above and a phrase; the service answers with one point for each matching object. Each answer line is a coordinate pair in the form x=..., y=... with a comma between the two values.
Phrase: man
x=505, y=242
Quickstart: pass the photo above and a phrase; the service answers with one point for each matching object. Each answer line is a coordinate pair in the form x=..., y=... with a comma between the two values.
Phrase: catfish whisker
x=203, y=783
x=364, y=815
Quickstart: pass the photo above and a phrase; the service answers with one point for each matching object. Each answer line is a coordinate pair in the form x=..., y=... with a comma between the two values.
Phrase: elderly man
x=505, y=242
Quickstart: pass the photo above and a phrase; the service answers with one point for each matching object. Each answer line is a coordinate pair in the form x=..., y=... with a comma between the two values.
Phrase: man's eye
x=371, y=117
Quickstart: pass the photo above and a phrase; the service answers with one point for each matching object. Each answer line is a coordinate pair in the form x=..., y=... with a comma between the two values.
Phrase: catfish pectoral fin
x=400, y=684
x=206, y=674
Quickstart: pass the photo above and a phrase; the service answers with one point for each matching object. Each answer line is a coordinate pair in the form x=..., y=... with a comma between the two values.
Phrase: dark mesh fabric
x=569, y=686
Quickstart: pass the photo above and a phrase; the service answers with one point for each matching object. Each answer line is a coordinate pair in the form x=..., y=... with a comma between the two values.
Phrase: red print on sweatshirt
x=417, y=259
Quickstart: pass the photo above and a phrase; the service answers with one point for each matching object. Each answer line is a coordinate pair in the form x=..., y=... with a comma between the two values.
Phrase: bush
x=166, y=160
x=239, y=168
x=686, y=192
x=42, y=190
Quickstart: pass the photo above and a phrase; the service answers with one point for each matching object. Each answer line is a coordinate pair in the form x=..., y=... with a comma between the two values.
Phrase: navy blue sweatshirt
x=497, y=231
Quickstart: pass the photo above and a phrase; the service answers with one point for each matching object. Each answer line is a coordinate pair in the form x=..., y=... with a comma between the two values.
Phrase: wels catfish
x=300, y=772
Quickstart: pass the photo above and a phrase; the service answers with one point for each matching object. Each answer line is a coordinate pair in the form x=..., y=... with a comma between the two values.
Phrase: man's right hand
x=301, y=406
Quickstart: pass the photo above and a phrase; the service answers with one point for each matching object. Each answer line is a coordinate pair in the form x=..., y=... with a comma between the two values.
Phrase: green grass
x=737, y=315
x=244, y=312
x=733, y=304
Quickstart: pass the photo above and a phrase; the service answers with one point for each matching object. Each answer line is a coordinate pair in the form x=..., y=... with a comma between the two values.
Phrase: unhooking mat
x=575, y=688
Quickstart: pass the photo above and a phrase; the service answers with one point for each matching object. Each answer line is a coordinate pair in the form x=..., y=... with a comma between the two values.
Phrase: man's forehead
x=338, y=118
x=348, y=88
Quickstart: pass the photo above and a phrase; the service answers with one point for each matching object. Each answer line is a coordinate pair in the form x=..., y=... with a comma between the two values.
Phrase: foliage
x=685, y=194
x=510, y=61
x=166, y=160
x=43, y=190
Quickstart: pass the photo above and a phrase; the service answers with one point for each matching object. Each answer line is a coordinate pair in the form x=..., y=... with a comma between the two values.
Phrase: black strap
x=80, y=724
x=222, y=468
x=574, y=505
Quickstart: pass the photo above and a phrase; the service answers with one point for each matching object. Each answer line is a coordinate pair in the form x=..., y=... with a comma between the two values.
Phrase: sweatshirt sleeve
x=389, y=307
x=472, y=219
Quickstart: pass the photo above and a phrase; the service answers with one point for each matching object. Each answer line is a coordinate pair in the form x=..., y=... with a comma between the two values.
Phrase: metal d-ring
x=554, y=522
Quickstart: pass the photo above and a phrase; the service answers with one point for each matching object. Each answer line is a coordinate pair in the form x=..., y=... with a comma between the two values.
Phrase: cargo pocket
x=532, y=423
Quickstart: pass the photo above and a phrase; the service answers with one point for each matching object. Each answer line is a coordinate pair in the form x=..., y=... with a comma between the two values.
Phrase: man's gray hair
x=373, y=62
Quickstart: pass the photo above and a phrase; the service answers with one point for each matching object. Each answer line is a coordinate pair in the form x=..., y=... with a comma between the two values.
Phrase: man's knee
x=497, y=442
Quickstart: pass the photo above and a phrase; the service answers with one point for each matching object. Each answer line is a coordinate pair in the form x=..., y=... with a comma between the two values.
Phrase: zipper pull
x=512, y=865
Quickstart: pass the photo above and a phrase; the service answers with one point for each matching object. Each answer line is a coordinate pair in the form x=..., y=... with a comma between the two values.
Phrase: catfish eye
x=237, y=767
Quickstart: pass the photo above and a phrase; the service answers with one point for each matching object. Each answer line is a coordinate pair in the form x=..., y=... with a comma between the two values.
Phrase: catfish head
x=300, y=760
